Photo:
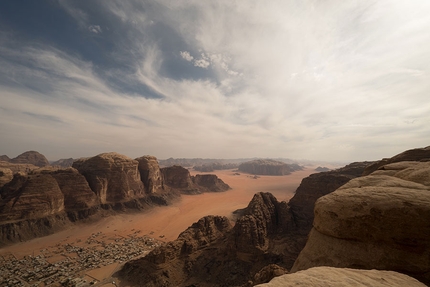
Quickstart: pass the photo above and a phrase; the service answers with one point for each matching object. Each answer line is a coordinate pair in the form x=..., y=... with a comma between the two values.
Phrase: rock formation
x=267, y=167
x=31, y=157
x=179, y=178
x=417, y=154
x=343, y=277
x=30, y=197
x=209, y=183
x=379, y=221
x=113, y=177
x=64, y=162
x=150, y=174
x=215, y=166
x=6, y=176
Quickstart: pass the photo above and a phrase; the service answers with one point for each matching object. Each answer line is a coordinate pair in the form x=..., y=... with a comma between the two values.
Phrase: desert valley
x=113, y=221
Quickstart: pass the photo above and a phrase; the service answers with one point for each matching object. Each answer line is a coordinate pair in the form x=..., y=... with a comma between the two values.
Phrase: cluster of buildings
x=67, y=264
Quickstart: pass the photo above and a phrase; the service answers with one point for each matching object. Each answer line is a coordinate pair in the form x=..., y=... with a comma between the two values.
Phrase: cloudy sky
x=302, y=79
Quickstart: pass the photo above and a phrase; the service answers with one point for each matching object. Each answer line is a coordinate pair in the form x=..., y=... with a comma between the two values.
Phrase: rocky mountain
x=4, y=158
x=31, y=157
x=113, y=177
x=322, y=168
x=215, y=166
x=179, y=178
x=64, y=162
x=267, y=167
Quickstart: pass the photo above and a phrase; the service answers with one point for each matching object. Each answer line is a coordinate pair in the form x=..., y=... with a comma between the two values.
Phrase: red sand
x=166, y=223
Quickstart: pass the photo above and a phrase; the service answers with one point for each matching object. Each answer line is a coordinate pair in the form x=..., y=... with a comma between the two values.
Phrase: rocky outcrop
x=179, y=178
x=113, y=177
x=379, y=221
x=268, y=273
x=417, y=154
x=64, y=162
x=343, y=277
x=150, y=174
x=31, y=157
x=30, y=197
x=209, y=183
x=267, y=167
x=215, y=166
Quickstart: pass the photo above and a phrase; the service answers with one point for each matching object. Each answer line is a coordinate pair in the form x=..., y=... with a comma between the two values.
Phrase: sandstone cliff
x=150, y=174
x=113, y=177
x=179, y=178
x=31, y=157
x=30, y=197
x=64, y=162
x=267, y=167
x=379, y=221
x=209, y=183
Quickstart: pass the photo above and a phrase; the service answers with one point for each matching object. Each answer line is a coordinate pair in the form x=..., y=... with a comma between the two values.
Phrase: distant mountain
x=322, y=169
x=268, y=167
x=64, y=162
x=4, y=158
x=31, y=157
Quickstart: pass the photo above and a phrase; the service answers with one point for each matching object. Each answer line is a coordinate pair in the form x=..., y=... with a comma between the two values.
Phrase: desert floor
x=165, y=223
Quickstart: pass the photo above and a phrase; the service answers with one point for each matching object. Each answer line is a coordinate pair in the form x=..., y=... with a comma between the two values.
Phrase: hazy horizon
x=336, y=81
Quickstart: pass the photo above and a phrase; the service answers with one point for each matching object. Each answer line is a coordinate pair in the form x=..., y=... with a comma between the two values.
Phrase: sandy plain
x=166, y=223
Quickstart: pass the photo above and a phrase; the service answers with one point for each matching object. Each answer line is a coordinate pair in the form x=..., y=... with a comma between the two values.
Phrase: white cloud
x=95, y=29
x=306, y=79
x=186, y=55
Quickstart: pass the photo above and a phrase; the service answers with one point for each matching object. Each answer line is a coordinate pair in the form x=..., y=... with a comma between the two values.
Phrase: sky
x=301, y=79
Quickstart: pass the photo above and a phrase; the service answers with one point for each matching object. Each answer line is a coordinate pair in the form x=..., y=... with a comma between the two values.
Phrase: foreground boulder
x=380, y=221
x=112, y=176
x=343, y=277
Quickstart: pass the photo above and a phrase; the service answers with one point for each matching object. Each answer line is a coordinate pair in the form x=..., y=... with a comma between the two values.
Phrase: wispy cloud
x=310, y=79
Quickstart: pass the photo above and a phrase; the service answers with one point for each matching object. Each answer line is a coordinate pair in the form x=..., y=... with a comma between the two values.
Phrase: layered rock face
x=343, y=277
x=31, y=157
x=266, y=167
x=30, y=197
x=113, y=177
x=150, y=174
x=6, y=176
x=4, y=158
x=379, y=221
x=210, y=183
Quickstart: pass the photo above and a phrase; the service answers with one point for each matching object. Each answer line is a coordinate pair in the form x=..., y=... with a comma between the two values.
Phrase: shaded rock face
x=150, y=174
x=266, y=167
x=210, y=182
x=179, y=178
x=343, y=277
x=418, y=154
x=113, y=177
x=268, y=273
x=31, y=157
x=64, y=162
x=30, y=197
x=379, y=221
